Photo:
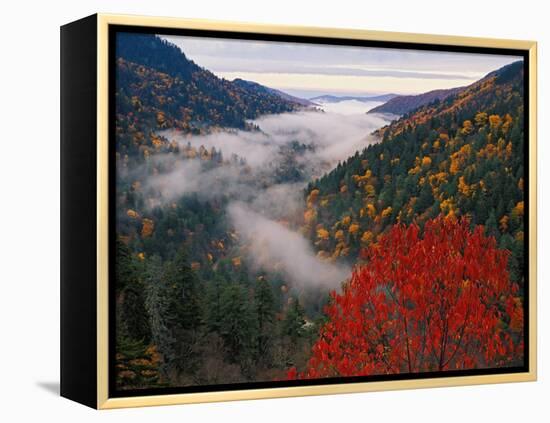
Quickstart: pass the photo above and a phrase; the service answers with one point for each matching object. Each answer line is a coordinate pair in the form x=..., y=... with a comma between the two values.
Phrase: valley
x=242, y=212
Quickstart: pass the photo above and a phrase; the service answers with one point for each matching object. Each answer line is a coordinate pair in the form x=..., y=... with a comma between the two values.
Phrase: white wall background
x=29, y=216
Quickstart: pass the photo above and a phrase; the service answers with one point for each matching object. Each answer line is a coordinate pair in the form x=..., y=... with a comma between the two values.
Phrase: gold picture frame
x=100, y=25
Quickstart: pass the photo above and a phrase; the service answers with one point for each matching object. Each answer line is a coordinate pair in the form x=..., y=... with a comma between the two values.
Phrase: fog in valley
x=265, y=178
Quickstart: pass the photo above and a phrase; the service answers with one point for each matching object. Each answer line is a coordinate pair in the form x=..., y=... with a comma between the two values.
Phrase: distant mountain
x=482, y=95
x=158, y=87
x=327, y=98
x=399, y=105
x=254, y=86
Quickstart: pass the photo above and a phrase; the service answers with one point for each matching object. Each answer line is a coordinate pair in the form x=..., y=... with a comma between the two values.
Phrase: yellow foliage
x=147, y=228
x=463, y=187
x=459, y=158
x=139, y=362
x=451, y=215
x=157, y=143
x=467, y=127
x=481, y=119
x=447, y=206
x=339, y=235
x=346, y=220
x=507, y=123
x=386, y=212
x=161, y=118
x=494, y=121
x=369, y=189
x=518, y=209
x=236, y=261
x=136, y=103
x=141, y=256
x=426, y=161
x=338, y=250
x=344, y=188
x=438, y=179
x=414, y=170
x=519, y=236
x=367, y=237
x=360, y=180
x=489, y=151
x=132, y=214
x=312, y=197
x=353, y=228
x=310, y=216
x=509, y=150
x=371, y=210
x=322, y=233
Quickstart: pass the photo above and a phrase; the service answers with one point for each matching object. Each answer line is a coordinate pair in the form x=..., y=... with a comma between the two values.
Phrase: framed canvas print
x=254, y=211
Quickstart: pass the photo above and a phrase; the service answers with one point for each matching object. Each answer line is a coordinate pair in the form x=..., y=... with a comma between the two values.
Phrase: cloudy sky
x=307, y=70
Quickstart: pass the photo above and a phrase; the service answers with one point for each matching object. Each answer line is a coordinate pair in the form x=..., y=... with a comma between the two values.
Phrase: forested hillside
x=190, y=311
x=460, y=157
x=433, y=218
x=158, y=87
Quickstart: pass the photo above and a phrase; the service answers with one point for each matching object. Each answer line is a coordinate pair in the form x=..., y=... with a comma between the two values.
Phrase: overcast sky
x=308, y=70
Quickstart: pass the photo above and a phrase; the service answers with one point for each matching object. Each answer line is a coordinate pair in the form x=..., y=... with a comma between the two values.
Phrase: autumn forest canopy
x=262, y=237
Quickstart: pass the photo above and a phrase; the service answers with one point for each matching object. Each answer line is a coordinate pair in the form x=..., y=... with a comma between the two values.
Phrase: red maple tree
x=432, y=300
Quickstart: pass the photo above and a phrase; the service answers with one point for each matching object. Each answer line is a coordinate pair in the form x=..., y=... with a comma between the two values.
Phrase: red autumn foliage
x=435, y=300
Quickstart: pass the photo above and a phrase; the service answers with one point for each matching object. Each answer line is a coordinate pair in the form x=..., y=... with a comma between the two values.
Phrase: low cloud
x=190, y=176
x=275, y=246
x=266, y=191
x=334, y=136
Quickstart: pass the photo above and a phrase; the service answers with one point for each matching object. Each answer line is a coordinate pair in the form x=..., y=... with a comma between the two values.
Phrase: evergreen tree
x=132, y=319
x=238, y=324
x=213, y=304
x=265, y=311
x=294, y=321
x=173, y=303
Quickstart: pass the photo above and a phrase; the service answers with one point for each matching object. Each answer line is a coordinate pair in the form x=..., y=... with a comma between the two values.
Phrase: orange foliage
x=147, y=228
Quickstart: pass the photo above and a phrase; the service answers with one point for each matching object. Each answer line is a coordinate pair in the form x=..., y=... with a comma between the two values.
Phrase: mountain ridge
x=402, y=104
x=158, y=87
x=329, y=98
x=255, y=85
